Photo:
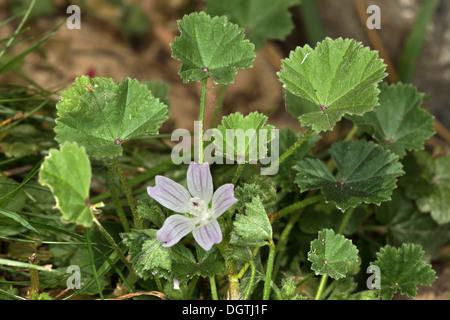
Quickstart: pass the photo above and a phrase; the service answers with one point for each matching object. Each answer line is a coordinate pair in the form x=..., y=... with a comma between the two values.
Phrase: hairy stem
x=115, y=199
x=127, y=190
x=238, y=173
x=201, y=120
x=34, y=276
x=212, y=283
x=322, y=285
x=268, y=279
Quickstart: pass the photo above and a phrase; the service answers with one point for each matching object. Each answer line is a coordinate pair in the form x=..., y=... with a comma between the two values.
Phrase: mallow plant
x=252, y=211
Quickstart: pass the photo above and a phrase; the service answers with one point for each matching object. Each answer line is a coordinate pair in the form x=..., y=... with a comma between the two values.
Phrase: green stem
x=34, y=276
x=345, y=220
x=301, y=204
x=268, y=279
x=351, y=133
x=295, y=146
x=212, y=282
x=137, y=221
x=305, y=279
x=158, y=283
x=201, y=120
x=322, y=284
x=219, y=106
x=238, y=173
x=116, y=201
x=252, y=280
x=111, y=241
x=91, y=258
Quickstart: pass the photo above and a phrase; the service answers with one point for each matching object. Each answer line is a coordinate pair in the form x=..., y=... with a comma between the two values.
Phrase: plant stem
x=345, y=220
x=212, y=282
x=116, y=201
x=309, y=276
x=201, y=120
x=252, y=280
x=351, y=133
x=238, y=173
x=91, y=258
x=268, y=279
x=295, y=146
x=34, y=276
x=137, y=221
x=111, y=241
x=322, y=284
x=219, y=105
x=301, y=204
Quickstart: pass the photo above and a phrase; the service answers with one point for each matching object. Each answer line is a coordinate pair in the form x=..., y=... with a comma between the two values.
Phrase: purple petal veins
x=202, y=223
x=170, y=194
x=174, y=228
x=199, y=181
x=222, y=200
x=207, y=235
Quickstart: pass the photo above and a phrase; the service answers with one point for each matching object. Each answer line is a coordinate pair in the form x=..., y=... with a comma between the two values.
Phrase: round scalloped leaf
x=398, y=123
x=211, y=48
x=101, y=114
x=243, y=139
x=332, y=254
x=367, y=173
x=339, y=77
x=67, y=172
x=402, y=270
x=262, y=19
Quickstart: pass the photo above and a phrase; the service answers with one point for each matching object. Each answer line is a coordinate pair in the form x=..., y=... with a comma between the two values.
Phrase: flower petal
x=170, y=194
x=222, y=199
x=208, y=234
x=174, y=228
x=199, y=181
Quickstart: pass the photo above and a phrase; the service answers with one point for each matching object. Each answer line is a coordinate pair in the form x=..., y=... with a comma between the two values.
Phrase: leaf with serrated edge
x=147, y=254
x=245, y=143
x=252, y=228
x=67, y=172
x=101, y=114
x=339, y=76
x=332, y=254
x=211, y=48
x=262, y=19
x=402, y=270
x=398, y=123
x=367, y=173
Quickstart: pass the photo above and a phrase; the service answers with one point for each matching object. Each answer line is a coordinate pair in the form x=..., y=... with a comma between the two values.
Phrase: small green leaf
x=332, y=254
x=339, y=76
x=252, y=228
x=243, y=138
x=211, y=48
x=262, y=19
x=147, y=254
x=398, y=123
x=67, y=172
x=427, y=182
x=403, y=270
x=366, y=173
x=101, y=114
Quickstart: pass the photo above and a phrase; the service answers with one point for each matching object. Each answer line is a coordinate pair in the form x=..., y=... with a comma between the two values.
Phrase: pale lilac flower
x=202, y=219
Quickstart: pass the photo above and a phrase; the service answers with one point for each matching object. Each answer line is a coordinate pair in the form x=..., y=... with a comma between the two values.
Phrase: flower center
x=199, y=208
